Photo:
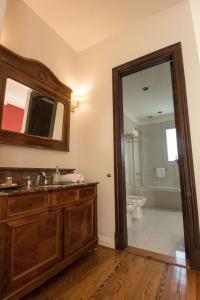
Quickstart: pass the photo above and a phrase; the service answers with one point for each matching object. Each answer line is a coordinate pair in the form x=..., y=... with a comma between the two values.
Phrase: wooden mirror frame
x=38, y=77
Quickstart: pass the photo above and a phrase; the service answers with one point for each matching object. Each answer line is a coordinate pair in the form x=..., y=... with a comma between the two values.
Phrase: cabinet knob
x=108, y=175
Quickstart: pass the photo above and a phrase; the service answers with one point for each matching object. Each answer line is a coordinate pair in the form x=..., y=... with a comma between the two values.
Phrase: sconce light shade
x=75, y=103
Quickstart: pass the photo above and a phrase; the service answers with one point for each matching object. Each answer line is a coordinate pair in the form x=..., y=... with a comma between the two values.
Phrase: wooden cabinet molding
x=78, y=226
x=27, y=203
x=64, y=197
x=35, y=245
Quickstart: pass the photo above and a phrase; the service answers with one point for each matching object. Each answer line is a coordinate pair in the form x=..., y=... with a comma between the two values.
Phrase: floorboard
x=176, y=261
x=113, y=275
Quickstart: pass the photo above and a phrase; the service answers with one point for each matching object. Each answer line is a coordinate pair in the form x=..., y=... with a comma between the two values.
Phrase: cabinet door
x=35, y=245
x=79, y=225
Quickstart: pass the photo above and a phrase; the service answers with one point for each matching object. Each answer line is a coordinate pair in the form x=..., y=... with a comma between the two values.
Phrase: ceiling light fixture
x=145, y=88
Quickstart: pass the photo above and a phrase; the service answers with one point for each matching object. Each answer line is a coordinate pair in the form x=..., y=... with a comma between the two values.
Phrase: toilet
x=134, y=207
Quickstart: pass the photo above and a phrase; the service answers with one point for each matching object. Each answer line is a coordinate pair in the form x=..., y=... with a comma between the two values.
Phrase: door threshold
x=175, y=261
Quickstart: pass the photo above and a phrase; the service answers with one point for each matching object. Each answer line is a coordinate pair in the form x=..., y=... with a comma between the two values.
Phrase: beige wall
x=195, y=10
x=2, y=13
x=25, y=33
x=95, y=128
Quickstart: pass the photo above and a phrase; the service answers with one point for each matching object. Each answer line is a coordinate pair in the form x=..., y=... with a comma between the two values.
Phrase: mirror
x=34, y=104
x=28, y=111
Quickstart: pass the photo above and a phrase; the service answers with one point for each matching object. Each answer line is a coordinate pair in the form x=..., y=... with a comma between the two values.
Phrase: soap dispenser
x=56, y=176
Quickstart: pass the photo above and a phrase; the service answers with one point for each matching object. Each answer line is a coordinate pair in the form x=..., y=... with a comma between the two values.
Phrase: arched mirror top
x=34, y=104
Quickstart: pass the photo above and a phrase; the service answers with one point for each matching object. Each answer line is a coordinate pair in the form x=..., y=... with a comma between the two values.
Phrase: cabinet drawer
x=64, y=196
x=25, y=203
x=87, y=192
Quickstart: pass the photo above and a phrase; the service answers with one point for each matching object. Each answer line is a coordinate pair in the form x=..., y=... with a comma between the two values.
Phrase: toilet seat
x=134, y=205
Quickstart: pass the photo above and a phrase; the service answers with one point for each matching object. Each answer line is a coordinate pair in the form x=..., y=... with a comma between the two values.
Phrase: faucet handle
x=28, y=178
x=46, y=177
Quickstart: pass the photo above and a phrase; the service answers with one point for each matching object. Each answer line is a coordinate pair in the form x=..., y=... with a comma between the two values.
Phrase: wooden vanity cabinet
x=38, y=239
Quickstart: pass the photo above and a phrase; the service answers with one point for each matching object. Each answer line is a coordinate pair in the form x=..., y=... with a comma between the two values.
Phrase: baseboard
x=107, y=241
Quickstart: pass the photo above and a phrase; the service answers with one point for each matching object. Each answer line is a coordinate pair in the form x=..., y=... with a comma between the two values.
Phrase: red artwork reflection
x=12, y=118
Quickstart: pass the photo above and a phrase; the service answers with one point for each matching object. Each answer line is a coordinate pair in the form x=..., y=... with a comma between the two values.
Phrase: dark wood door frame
x=171, y=54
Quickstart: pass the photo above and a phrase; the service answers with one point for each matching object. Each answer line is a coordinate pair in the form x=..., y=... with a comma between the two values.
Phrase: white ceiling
x=139, y=104
x=83, y=23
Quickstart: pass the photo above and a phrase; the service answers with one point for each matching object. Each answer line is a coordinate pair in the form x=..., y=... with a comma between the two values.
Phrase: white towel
x=72, y=178
x=160, y=172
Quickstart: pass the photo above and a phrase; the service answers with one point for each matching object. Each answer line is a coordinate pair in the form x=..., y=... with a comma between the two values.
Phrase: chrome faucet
x=28, y=181
x=37, y=180
x=45, y=177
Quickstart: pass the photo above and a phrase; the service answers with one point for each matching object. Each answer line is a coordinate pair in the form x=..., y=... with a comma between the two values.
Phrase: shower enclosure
x=148, y=151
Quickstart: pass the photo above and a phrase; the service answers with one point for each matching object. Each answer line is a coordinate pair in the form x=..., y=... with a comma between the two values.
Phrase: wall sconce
x=75, y=103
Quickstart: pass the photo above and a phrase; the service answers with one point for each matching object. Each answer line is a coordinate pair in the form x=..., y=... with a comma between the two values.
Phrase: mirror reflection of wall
x=15, y=100
x=41, y=115
x=27, y=111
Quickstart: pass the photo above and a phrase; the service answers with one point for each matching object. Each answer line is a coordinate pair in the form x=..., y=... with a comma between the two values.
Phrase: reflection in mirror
x=30, y=112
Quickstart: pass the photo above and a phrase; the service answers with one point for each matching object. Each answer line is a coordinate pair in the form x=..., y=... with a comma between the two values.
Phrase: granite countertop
x=50, y=187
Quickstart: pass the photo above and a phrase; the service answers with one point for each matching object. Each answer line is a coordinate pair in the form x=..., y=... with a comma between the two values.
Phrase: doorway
x=176, y=127
x=153, y=196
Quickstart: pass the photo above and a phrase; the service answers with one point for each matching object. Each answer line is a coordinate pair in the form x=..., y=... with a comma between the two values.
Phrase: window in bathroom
x=171, y=144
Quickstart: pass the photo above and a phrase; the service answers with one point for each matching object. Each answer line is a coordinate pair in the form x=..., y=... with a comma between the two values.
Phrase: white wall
x=25, y=33
x=95, y=128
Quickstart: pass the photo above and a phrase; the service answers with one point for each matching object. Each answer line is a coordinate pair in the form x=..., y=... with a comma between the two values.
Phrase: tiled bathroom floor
x=159, y=231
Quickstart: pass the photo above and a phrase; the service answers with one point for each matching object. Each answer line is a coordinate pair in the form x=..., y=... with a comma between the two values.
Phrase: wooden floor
x=109, y=274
